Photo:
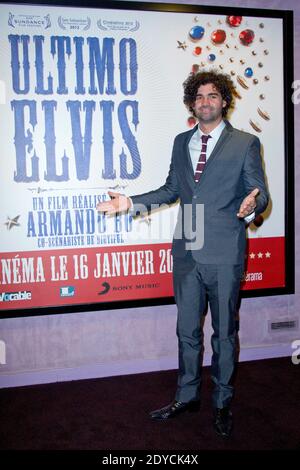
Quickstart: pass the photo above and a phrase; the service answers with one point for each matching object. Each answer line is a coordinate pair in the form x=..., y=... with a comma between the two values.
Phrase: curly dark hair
x=221, y=81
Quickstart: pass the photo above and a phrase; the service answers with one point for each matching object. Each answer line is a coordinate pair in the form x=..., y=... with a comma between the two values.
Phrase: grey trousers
x=194, y=285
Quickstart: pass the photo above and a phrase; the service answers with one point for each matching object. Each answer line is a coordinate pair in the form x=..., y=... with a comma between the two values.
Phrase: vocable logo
x=13, y=296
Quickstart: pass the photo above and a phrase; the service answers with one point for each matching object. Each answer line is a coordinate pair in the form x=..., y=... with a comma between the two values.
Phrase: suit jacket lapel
x=224, y=137
x=189, y=171
x=188, y=167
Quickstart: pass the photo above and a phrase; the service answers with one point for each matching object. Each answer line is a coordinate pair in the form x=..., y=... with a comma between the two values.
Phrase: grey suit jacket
x=232, y=171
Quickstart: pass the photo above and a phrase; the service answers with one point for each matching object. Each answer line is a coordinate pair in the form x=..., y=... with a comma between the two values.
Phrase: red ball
x=234, y=20
x=218, y=36
x=247, y=37
x=197, y=50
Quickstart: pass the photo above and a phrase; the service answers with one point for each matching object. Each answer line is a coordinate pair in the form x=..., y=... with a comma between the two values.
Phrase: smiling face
x=208, y=105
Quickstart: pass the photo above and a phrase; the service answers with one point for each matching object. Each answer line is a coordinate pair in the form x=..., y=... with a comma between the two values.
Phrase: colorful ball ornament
x=248, y=72
x=218, y=36
x=197, y=51
x=247, y=37
x=211, y=57
x=195, y=68
x=234, y=21
x=196, y=33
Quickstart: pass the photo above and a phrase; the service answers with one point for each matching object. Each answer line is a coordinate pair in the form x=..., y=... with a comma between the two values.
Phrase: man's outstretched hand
x=248, y=205
x=118, y=203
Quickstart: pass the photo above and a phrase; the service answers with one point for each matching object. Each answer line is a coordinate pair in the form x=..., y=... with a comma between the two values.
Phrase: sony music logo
x=10, y=296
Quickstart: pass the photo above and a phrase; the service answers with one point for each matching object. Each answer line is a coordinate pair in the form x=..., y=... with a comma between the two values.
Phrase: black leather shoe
x=174, y=409
x=223, y=421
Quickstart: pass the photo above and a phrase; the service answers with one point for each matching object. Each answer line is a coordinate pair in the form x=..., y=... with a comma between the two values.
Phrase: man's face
x=208, y=104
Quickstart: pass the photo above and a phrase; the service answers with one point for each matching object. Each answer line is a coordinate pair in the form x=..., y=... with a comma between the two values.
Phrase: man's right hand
x=118, y=203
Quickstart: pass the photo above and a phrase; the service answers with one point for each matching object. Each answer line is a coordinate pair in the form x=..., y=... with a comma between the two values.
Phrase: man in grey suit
x=228, y=181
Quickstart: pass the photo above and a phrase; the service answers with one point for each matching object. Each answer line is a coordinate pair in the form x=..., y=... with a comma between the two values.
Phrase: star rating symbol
x=260, y=255
x=12, y=222
x=181, y=45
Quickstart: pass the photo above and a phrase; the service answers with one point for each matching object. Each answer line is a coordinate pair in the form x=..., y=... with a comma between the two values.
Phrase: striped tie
x=202, y=158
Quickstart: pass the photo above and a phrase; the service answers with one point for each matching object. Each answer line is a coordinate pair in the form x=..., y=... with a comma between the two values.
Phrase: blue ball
x=197, y=32
x=248, y=72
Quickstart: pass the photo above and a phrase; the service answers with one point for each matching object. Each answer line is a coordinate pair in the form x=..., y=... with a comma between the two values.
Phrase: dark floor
x=112, y=413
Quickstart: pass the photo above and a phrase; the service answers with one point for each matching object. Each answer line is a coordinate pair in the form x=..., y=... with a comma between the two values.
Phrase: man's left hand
x=248, y=205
